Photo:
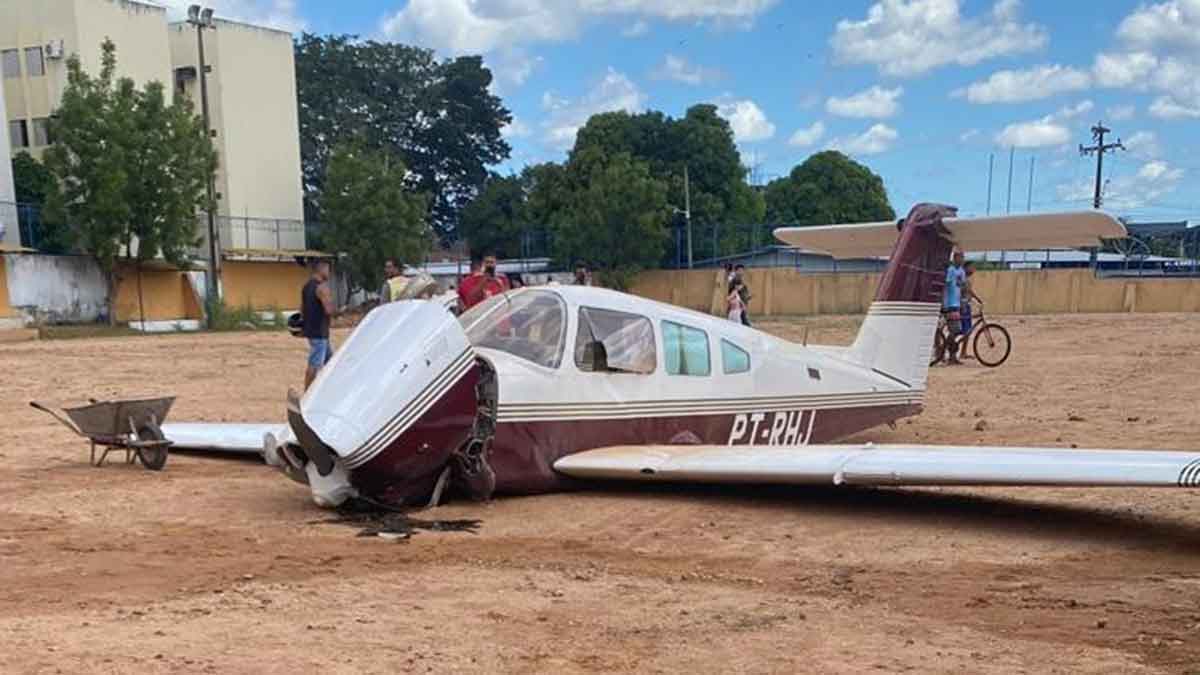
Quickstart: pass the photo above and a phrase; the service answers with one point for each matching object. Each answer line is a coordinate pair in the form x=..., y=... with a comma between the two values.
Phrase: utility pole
x=687, y=212
x=202, y=19
x=991, y=164
x=1012, y=153
x=1029, y=201
x=1099, y=148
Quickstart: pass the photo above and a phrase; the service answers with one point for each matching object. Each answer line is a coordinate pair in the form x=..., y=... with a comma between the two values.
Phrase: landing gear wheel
x=153, y=457
x=992, y=345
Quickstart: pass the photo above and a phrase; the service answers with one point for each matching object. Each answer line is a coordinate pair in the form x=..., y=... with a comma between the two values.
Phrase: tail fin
x=896, y=338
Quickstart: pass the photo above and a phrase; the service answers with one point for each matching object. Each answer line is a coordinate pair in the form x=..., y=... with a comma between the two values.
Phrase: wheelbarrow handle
x=65, y=420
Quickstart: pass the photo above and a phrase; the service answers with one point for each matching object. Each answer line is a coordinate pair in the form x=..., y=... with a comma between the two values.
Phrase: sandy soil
x=218, y=566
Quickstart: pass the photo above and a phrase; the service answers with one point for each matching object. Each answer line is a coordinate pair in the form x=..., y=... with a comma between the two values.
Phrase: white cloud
x=1168, y=24
x=636, y=29
x=879, y=138
x=968, y=135
x=1017, y=86
x=614, y=92
x=515, y=129
x=1167, y=108
x=876, y=102
x=1153, y=180
x=511, y=67
x=279, y=14
x=748, y=121
x=807, y=136
x=910, y=37
x=480, y=26
x=1123, y=69
x=1143, y=144
x=1047, y=131
x=678, y=69
x=1120, y=113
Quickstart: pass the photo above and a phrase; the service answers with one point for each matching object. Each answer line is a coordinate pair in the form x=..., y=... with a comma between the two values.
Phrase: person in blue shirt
x=956, y=278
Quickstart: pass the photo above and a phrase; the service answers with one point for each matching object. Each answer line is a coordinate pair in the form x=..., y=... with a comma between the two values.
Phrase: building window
x=19, y=133
x=614, y=342
x=41, y=131
x=736, y=359
x=10, y=62
x=35, y=62
x=685, y=350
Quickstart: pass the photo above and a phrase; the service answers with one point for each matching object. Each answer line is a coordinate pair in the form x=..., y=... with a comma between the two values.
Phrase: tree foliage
x=438, y=118
x=369, y=214
x=828, y=188
x=616, y=217
x=32, y=180
x=129, y=170
x=497, y=218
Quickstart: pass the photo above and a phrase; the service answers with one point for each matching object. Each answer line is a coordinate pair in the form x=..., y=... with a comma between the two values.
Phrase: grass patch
x=224, y=318
x=85, y=331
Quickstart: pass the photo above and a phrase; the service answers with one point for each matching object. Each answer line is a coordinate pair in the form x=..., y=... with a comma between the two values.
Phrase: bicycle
x=989, y=341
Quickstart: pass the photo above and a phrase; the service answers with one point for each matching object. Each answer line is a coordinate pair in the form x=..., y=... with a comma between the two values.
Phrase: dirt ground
x=225, y=566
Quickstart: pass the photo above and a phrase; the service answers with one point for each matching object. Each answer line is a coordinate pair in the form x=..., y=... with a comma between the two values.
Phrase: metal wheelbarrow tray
x=134, y=426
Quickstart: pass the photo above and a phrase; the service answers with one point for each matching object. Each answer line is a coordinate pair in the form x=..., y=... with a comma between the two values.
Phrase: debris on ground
x=395, y=525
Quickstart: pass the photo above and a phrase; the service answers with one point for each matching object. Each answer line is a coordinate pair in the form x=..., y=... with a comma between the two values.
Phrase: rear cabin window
x=614, y=342
x=685, y=350
x=735, y=359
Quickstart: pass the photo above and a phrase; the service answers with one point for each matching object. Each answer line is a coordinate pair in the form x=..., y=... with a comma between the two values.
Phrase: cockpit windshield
x=528, y=324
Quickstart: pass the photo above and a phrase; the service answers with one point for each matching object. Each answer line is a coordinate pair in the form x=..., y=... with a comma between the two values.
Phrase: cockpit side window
x=614, y=342
x=528, y=324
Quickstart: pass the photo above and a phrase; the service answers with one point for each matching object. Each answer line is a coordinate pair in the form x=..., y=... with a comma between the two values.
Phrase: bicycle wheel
x=939, y=347
x=992, y=344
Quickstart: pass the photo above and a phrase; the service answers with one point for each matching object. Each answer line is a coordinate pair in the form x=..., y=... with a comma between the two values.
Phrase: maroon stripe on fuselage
x=523, y=453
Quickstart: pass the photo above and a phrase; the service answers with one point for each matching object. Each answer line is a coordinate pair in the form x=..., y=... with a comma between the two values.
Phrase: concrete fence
x=784, y=292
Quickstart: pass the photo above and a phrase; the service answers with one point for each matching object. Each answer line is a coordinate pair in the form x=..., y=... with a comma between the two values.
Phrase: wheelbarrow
x=132, y=426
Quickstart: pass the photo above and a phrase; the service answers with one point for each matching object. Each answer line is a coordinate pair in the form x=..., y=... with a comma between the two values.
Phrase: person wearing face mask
x=476, y=288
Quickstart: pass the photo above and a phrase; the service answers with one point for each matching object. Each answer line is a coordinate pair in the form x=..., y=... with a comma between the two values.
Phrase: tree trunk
x=113, y=281
x=141, y=303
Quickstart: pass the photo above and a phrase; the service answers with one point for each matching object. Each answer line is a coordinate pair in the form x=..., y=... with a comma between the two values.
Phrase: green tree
x=495, y=220
x=35, y=184
x=703, y=143
x=828, y=188
x=369, y=214
x=129, y=169
x=616, y=218
x=439, y=118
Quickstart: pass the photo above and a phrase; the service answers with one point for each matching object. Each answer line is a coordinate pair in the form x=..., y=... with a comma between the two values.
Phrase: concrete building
x=252, y=97
x=8, y=207
x=253, y=108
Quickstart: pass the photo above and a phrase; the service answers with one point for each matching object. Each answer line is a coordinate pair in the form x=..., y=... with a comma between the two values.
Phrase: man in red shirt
x=481, y=284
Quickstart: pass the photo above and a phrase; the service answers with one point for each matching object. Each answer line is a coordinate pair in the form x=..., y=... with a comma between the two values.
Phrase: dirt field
x=218, y=566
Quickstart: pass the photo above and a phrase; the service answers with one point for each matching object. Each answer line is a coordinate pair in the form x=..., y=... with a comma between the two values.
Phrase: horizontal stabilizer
x=898, y=465
x=1043, y=230
x=242, y=439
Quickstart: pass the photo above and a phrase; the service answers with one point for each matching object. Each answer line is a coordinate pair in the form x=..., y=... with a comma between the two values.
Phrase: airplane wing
x=1042, y=230
x=242, y=439
x=869, y=464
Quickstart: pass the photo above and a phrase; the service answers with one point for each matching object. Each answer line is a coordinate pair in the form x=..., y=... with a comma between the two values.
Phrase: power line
x=1099, y=148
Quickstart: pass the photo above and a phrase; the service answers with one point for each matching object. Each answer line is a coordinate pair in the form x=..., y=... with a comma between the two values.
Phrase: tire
x=992, y=344
x=939, y=347
x=153, y=458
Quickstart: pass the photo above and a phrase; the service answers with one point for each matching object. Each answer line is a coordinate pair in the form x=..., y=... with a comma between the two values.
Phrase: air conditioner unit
x=54, y=49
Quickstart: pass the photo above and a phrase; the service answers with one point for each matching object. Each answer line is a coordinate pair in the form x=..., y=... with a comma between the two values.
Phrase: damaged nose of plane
x=384, y=418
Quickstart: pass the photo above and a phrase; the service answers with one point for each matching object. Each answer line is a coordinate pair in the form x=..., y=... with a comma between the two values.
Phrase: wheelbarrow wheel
x=153, y=457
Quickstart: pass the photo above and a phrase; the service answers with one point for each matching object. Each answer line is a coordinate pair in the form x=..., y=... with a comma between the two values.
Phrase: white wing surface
x=232, y=438
x=887, y=465
x=1042, y=230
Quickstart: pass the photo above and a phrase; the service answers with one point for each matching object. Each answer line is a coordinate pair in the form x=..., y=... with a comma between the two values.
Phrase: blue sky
x=922, y=91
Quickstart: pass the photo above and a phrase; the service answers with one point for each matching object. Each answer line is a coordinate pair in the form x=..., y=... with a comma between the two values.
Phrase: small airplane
x=541, y=388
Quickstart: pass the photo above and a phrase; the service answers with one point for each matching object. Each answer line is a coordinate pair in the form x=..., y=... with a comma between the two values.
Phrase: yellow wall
x=166, y=294
x=6, y=310
x=263, y=285
x=781, y=292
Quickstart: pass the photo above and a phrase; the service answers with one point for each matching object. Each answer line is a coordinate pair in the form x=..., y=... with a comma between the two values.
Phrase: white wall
x=54, y=289
x=8, y=211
